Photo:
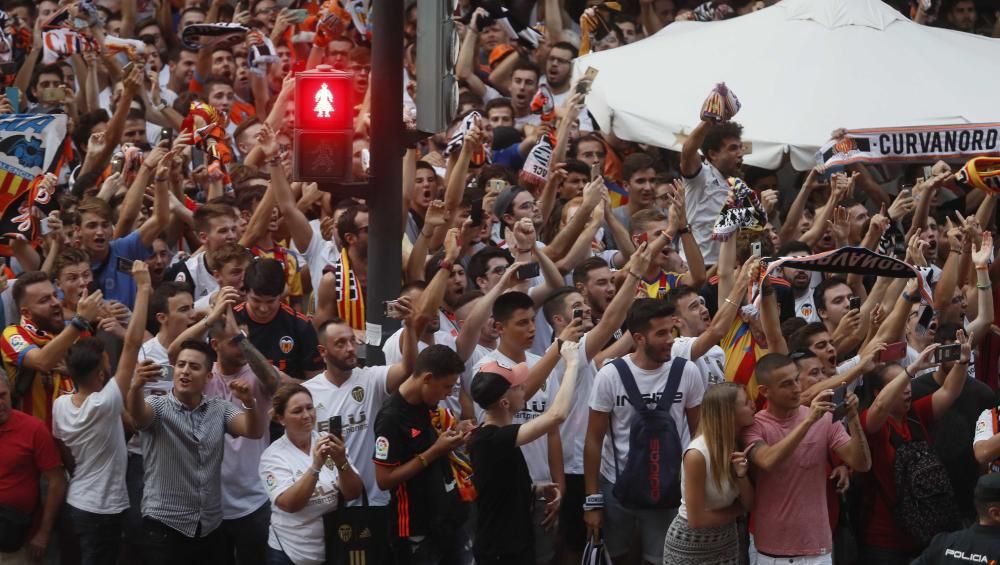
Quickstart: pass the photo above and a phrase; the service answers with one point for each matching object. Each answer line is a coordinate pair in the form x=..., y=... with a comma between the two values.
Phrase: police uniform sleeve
x=934, y=551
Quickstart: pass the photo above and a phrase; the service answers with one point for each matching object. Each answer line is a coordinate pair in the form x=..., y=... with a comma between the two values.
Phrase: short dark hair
x=577, y=166
x=24, y=281
x=347, y=222
x=718, y=134
x=768, y=364
x=820, y=291
x=479, y=262
x=800, y=339
x=524, y=64
x=566, y=46
x=265, y=277
x=84, y=359
x=582, y=271
x=508, y=303
x=636, y=162
x=678, y=292
x=501, y=102
x=159, y=302
x=555, y=303
x=792, y=325
x=644, y=311
x=200, y=346
x=438, y=360
x=946, y=333
x=794, y=246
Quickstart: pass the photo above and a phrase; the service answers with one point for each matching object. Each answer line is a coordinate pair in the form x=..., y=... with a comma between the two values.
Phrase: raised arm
x=136, y=328
x=98, y=154
x=767, y=457
x=561, y=243
x=557, y=412
x=246, y=424
x=855, y=453
x=790, y=224
x=944, y=397
x=727, y=311
x=984, y=291
x=614, y=314
x=480, y=313
x=293, y=218
x=690, y=158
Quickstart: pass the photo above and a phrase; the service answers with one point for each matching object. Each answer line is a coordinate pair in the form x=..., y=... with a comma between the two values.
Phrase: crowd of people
x=594, y=358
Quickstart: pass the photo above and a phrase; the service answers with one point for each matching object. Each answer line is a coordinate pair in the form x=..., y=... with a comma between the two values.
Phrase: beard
x=342, y=365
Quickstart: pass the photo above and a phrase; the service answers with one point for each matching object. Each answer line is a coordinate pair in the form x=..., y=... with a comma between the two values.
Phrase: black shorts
x=571, y=526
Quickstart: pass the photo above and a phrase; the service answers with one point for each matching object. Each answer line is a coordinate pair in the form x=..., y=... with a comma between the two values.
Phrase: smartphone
x=583, y=87
x=298, y=16
x=854, y=303
x=595, y=171
x=529, y=271
x=166, y=134
x=755, y=248
x=892, y=352
x=117, y=162
x=124, y=265
x=495, y=186
x=476, y=214
x=166, y=373
x=947, y=353
x=43, y=226
x=14, y=96
x=128, y=68
x=390, y=308
x=335, y=425
x=839, y=401
x=53, y=95
x=578, y=312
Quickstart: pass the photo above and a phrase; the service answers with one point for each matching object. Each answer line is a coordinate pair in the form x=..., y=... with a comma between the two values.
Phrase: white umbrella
x=801, y=69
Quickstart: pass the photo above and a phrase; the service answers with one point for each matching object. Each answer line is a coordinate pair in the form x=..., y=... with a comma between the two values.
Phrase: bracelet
x=907, y=371
x=684, y=230
x=982, y=267
x=910, y=298
x=593, y=502
x=245, y=407
x=632, y=273
x=956, y=251
x=445, y=265
x=731, y=301
x=423, y=460
x=81, y=324
x=344, y=466
x=161, y=106
x=274, y=161
x=986, y=286
x=559, y=344
x=238, y=338
x=314, y=471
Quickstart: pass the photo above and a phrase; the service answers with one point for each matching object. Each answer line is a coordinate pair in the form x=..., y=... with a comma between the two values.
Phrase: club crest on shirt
x=345, y=531
x=358, y=394
x=286, y=343
x=807, y=310
x=381, y=448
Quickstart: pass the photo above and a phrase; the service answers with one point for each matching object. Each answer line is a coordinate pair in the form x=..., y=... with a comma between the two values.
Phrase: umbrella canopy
x=801, y=69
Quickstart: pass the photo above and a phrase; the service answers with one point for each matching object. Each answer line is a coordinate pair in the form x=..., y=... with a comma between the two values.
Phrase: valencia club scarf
x=742, y=211
x=442, y=419
x=921, y=143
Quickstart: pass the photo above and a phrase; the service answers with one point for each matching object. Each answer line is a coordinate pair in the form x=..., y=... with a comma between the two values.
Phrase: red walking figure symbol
x=324, y=102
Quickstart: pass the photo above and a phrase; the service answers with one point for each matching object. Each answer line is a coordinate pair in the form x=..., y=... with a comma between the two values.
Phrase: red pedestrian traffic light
x=324, y=125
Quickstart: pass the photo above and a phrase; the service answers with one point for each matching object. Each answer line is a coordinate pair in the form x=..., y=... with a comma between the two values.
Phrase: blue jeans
x=100, y=535
x=276, y=556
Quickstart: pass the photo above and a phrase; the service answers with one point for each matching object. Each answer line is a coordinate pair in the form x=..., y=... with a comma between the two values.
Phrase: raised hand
x=140, y=273
x=90, y=305
x=241, y=390
x=982, y=255
x=821, y=405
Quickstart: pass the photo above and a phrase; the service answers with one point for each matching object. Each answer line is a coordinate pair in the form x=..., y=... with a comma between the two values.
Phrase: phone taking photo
x=892, y=352
x=840, y=402
x=335, y=425
x=947, y=353
x=529, y=271
x=854, y=303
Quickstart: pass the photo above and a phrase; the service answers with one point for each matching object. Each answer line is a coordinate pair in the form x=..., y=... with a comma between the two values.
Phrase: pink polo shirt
x=790, y=512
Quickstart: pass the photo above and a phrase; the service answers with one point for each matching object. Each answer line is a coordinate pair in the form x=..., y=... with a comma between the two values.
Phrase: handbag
x=349, y=533
x=594, y=553
x=14, y=526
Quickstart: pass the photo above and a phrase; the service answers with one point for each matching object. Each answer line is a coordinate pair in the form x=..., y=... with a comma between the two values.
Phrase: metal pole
x=385, y=199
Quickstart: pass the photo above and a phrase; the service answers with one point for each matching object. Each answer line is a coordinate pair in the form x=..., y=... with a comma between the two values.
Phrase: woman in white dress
x=303, y=473
x=715, y=490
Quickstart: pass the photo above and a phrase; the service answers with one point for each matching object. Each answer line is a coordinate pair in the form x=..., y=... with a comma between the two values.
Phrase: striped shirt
x=182, y=454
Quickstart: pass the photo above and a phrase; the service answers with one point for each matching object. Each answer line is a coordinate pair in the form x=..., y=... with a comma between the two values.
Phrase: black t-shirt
x=503, y=493
x=428, y=504
x=288, y=341
x=953, y=433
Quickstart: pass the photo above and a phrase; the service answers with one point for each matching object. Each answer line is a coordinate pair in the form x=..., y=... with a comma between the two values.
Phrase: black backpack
x=651, y=478
x=925, y=502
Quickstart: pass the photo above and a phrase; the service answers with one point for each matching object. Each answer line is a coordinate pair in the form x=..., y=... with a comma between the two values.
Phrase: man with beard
x=651, y=322
x=284, y=336
x=558, y=72
x=356, y=395
x=802, y=281
x=594, y=281
x=35, y=349
x=705, y=185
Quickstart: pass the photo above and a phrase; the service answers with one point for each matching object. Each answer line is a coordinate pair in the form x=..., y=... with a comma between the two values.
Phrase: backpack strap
x=628, y=381
x=916, y=432
x=673, y=383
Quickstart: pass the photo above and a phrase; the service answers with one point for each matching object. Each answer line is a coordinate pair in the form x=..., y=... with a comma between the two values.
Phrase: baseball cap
x=505, y=200
x=499, y=53
x=493, y=380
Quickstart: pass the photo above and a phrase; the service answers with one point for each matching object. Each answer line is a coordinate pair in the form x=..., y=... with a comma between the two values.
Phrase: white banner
x=926, y=143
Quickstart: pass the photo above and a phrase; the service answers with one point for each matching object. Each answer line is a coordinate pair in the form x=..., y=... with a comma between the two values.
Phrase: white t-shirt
x=805, y=308
x=536, y=453
x=704, y=196
x=93, y=433
x=153, y=350
x=573, y=432
x=298, y=534
x=201, y=278
x=609, y=396
x=320, y=254
x=712, y=363
x=985, y=431
x=393, y=355
x=242, y=492
x=357, y=402
x=559, y=99
x=715, y=498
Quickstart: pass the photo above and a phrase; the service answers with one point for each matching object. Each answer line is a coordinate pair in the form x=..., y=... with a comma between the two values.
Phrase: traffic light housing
x=324, y=126
x=437, y=54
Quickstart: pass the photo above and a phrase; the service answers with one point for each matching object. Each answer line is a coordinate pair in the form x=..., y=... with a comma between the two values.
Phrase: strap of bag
x=673, y=383
x=916, y=432
x=628, y=381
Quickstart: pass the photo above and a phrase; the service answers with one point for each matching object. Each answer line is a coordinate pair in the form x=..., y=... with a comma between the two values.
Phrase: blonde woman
x=715, y=490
